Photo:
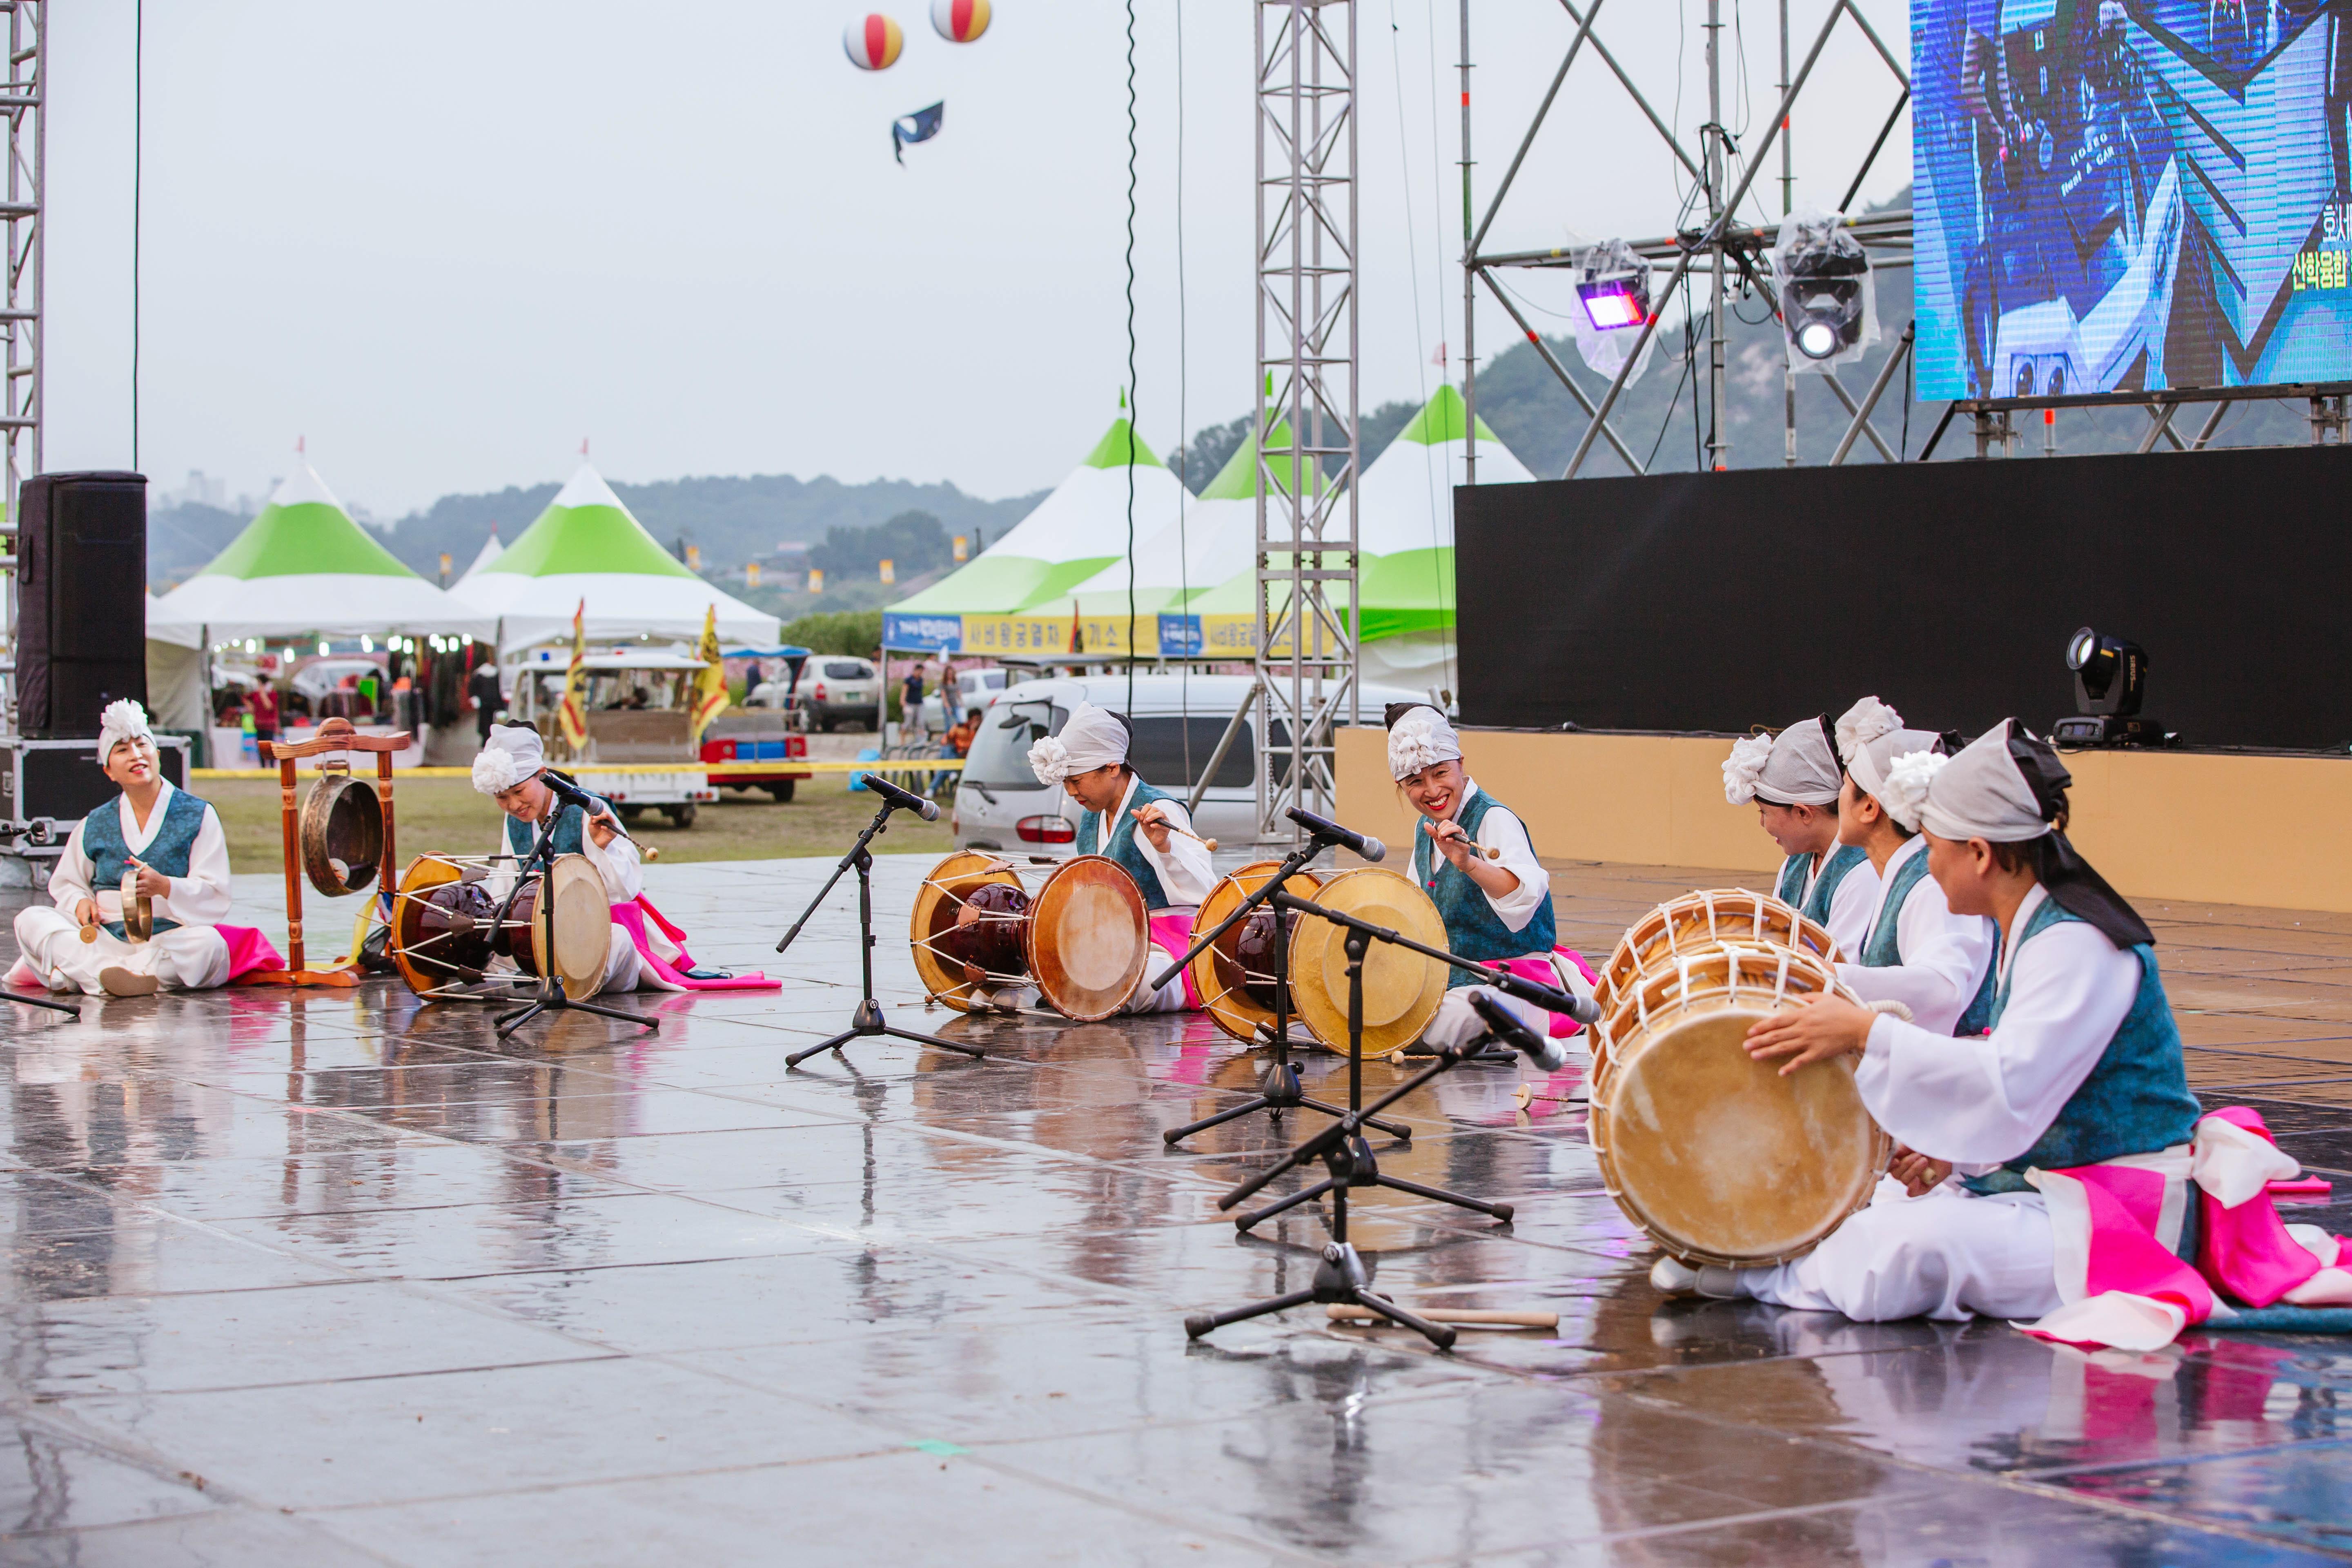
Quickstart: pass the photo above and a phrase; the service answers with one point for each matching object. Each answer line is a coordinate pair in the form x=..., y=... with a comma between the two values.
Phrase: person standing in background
x=482, y=690
x=910, y=701
x=263, y=706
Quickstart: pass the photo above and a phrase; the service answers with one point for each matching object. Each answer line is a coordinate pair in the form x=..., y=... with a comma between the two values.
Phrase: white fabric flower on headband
x=1422, y=737
x=1863, y=722
x=1050, y=761
x=124, y=719
x=1744, y=767
x=1908, y=776
x=1091, y=738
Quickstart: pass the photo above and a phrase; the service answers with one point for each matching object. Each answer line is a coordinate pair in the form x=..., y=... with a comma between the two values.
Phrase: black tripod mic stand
x=867, y=1020
x=1279, y=1088
x=1342, y=1276
x=550, y=997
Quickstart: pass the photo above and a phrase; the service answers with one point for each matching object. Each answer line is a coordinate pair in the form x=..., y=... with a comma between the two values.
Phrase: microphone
x=903, y=797
x=1551, y=998
x=1363, y=844
x=1547, y=1053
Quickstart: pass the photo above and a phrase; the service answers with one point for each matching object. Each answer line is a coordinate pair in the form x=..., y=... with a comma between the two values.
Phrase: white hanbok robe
x=1976, y=1102
x=623, y=876
x=1853, y=904
x=1945, y=955
x=1500, y=828
x=191, y=956
x=1186, y=875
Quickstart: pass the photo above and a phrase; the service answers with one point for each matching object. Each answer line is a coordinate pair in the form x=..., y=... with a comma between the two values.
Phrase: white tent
x=304, y=567
x=175, y=675
x=586, y=546
x=490, y=550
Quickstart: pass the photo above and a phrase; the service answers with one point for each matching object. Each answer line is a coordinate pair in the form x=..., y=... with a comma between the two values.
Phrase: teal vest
x=2137, y=1100
x=1122, y=845
x=168, y=851
x=1473, y=930
x=1813, y=901
x=1883, y=950
x=571, y=832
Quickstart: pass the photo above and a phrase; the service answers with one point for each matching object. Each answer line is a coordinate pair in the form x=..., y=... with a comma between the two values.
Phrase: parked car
x=999, y=805
x=973, y=688
x=836, y=691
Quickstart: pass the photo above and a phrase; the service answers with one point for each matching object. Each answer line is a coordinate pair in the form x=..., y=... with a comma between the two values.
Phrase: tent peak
x=1121, y=448
x=1445, y=417
x=304, y=487
x=586, y=487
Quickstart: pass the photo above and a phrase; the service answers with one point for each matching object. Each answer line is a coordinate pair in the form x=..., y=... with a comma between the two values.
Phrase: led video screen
x=2117, y=196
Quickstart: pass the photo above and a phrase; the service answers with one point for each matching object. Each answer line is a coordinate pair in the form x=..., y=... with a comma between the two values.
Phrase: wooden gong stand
x=334, y=735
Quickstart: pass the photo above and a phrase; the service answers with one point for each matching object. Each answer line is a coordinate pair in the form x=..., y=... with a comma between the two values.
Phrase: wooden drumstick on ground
x=1342, y=1312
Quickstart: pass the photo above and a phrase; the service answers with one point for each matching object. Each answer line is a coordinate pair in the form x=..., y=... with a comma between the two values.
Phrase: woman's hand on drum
x=1918, y=1172
x=1152, y=823
x=1813, y=1030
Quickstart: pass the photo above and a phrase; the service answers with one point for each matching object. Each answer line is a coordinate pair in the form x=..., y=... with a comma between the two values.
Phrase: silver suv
x=836, y=690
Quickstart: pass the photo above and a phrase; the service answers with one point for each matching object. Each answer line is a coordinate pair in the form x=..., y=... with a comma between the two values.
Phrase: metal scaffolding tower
x=20, y=300
x=1307, y=370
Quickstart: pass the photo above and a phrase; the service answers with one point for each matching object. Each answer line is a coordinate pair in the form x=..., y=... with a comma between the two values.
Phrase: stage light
x=1613, y=303
x=1823, y=276
x=2110, y=683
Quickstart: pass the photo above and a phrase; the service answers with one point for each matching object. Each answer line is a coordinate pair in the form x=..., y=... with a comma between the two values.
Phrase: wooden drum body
x=1402, y=988
x=1240, y=978
x=1697, y=923
x=1082, y=938
x=1715, y=1155
x=572, y=929
x=444, y=930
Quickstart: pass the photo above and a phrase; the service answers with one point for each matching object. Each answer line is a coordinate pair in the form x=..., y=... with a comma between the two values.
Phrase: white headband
x=1799, y=768
x=1870, y=762
x=1983, y=794
x=1420, y=738
x=1091, y=738
x=122, y=720
x=513, y=753
x=1745, y=766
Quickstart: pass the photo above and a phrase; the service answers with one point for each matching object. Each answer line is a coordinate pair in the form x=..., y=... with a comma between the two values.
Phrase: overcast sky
x=446, y=243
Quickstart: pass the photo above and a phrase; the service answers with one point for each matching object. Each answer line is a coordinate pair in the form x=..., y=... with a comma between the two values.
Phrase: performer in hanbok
x=172, y=843
x=1936, y=964
x=2083, y=1066
x=1497, y=910
x=1149, y=833
x=645, y=951
x=1794, y=778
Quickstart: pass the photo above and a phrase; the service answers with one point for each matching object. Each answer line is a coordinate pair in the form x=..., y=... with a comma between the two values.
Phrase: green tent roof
x=304, y=532
x=1445, y=417
x=1119, y=448
x=587, y=529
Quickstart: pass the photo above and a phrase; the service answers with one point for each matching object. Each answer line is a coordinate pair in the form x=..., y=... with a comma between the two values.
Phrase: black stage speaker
x=81, y=611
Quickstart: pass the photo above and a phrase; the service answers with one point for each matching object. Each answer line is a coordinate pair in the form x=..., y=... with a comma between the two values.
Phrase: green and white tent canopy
x=1404, y=521
x=302, y=568
x=587, y=546
x=490, y=550
x=1073, y=535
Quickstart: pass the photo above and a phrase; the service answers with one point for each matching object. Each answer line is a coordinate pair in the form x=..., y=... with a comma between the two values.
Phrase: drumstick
x=1344, y=1312
x=1526, y=1095
x=1491, y=851
x=1206, y=843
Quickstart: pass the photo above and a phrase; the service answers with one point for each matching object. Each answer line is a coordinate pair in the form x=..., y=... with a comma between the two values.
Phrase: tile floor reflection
x=335, y=1277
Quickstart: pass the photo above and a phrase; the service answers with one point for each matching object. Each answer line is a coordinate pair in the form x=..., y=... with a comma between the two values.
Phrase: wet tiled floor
x=332, y=1278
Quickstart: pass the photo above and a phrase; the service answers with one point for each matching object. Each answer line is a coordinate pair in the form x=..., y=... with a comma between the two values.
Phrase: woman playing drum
x=2081, y=1078
x=1473, y=857
x=1917, y=952
x=1794, y=778
x=1149, y=836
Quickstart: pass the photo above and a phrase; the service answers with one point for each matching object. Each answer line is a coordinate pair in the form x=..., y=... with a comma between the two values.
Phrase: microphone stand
x=867, y=1020
x=1279, y=1088
x=1342, y=1276
x=541, y=863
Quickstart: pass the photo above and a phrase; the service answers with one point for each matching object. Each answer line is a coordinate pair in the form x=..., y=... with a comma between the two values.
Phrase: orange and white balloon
x=873, y=42
x=959, y=21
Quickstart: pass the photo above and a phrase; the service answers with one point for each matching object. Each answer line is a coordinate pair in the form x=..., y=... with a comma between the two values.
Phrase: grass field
x=447, y=816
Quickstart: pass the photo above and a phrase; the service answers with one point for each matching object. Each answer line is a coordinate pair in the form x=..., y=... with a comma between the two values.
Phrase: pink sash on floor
x=632, y=918
x=1541, y=970
x=248, y=951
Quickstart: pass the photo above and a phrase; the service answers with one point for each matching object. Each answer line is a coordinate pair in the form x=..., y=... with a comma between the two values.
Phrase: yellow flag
x=569, y=713
x=711, y=686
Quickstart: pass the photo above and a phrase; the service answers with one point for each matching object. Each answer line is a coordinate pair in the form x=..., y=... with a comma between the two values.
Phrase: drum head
x=1402, y=988
x=574, y=923
x=341, y=833
x=409, y=940
x=937, y=904
x=1718, y=1156
x=1089, y=938
x=1217, y=974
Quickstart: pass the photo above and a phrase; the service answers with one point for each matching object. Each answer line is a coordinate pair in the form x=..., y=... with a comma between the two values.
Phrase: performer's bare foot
x=121, y=981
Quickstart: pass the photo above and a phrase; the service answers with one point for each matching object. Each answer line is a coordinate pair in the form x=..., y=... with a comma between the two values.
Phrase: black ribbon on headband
x=2076, y=886
x=1396, y=710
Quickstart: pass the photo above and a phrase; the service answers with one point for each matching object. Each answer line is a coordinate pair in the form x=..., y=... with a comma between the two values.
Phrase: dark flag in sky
x=920, y=126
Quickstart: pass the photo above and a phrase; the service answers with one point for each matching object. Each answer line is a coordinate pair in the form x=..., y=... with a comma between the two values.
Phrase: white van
x=999, y=805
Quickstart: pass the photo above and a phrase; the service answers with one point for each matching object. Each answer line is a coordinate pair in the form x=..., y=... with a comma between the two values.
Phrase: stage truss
x=1306, y=539
x=21, y=99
